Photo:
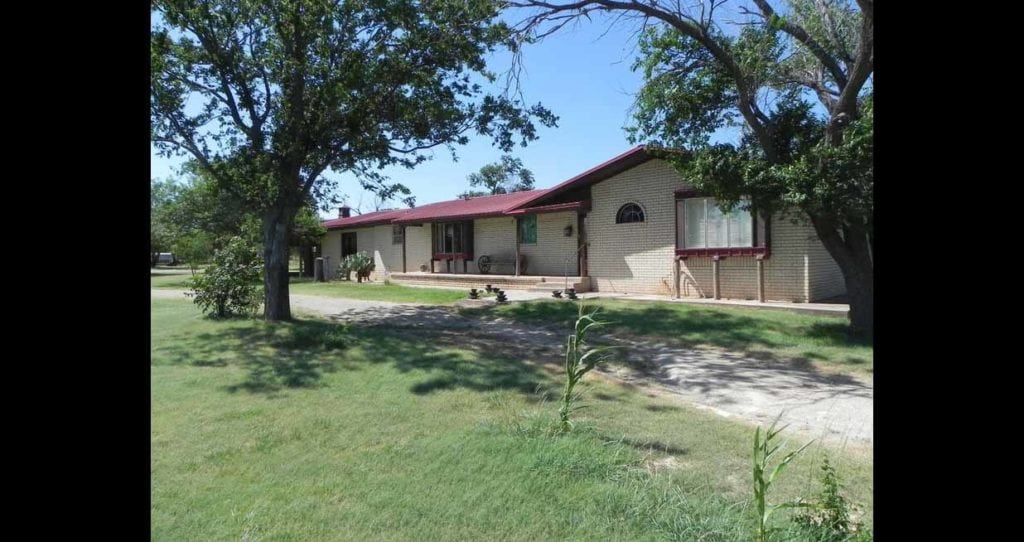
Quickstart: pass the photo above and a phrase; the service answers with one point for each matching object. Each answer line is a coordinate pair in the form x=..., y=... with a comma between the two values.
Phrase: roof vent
x=344, y=211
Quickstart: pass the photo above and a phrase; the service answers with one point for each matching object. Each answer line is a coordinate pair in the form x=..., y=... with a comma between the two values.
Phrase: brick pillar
x=676, y=275
x=715, y=276
x=760, y=279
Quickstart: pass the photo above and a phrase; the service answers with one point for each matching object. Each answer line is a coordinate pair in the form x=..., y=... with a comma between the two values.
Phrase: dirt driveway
x=835, y=408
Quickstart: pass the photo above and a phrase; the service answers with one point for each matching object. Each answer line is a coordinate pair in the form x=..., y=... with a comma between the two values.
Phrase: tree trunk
x=276, y=227
x=853, y=256
x=860, y=287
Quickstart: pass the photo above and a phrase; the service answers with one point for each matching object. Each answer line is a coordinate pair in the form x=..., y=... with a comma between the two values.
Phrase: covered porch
x=506, y=281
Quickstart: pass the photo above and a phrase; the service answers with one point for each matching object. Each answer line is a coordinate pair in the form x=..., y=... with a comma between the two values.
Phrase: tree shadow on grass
x=297, y=354
x=757, y=334
x=452, y=363
x=276, y=356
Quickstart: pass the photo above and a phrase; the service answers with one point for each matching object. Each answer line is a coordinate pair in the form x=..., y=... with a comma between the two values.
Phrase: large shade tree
x=267, y=96
x=795, y=75
x=502, y=177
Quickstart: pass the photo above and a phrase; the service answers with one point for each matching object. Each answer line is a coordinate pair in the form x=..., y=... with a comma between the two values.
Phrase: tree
x=795, y=79
x=163, y=197
x=267, y=96
x=502, y=177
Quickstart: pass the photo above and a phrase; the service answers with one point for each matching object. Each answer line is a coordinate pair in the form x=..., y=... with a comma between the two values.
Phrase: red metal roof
x=375, y=218
x=466, y=209
x=515, y=203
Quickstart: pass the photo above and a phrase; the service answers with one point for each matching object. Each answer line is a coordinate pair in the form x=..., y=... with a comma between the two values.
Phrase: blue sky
x=582, y=76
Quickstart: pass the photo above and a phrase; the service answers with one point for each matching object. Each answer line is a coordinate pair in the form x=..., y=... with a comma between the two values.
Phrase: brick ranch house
x=629, y=225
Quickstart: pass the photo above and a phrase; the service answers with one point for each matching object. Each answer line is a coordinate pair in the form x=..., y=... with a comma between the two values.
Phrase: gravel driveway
x=832, y=407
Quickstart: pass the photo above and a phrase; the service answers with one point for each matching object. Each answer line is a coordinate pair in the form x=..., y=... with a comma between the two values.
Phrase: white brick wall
x=638, y=257
x=825, y=278
x=548, y=256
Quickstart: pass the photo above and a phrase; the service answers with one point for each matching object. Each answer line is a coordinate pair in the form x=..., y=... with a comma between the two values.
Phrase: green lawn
x=371, y=291
x=314, y=431
x=821, y=341
x=176, y=281
x=377, y=291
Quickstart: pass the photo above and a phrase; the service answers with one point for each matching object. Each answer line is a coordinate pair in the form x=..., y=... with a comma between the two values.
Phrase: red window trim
x=761, y=252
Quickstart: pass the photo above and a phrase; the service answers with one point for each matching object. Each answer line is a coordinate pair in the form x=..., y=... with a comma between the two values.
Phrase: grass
x=377, y=291
x=175, y=281
x=821, y=341
x=371, y=291
x=314, y=431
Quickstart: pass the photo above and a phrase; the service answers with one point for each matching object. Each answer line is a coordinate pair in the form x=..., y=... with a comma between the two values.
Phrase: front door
x=348, y=244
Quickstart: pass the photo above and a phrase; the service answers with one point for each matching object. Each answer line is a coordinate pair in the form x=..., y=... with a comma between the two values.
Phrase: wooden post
x=517, y=245
x=715, y=276
x=677, y=266
x=760, y=279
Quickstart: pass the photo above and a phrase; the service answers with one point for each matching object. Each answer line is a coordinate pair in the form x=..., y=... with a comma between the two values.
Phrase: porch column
x=715, y=276
x=517, y=246
x=676, y=275
x=760, y=279
x=403, y=250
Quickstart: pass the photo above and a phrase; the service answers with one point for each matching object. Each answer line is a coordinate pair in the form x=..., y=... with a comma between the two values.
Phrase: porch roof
x=466, y=209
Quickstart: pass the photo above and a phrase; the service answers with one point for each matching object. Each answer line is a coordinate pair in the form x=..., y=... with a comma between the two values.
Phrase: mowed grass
x=822, y=341
x=313, y=431
x=376, y=291
x=175, y=281
x=370, y=291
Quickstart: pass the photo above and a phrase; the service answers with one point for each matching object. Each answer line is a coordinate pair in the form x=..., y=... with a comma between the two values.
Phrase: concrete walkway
x=819, y=309
x=832, y=407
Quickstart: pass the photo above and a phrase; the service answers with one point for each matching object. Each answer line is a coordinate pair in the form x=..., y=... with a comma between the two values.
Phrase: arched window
x=629, y=212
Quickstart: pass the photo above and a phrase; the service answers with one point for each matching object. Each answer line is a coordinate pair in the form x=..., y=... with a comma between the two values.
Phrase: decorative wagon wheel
x=484, y=264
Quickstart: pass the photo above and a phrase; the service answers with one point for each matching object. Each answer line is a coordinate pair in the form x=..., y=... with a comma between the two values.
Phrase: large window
x=453, y=240
x=702, y=224
x=528, y=230
x=629, y=212
x=397, y=235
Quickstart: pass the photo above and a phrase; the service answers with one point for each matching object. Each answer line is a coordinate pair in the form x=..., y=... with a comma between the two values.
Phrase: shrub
x=829, y=518
x=580, y=359
x=360, y=262
x=232, y=284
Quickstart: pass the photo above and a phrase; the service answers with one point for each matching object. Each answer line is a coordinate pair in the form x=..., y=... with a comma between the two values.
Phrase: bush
x=829, y=518
x=360, y=262
x=232, y=285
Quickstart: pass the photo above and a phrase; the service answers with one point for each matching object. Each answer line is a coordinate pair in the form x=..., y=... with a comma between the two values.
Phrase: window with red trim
x=702, y=227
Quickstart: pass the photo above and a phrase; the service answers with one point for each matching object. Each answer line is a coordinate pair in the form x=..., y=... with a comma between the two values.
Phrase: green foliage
x=270, y=96
x=828, y=519
x=231, y=285
x=361, y=263
x=196, y=249
x=163, y=230
x=764, y=452
x=503, y=177
x=580, y=359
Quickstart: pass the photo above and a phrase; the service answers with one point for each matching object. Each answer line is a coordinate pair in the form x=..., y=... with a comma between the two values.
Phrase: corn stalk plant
x=764, y=451
x=580, y=359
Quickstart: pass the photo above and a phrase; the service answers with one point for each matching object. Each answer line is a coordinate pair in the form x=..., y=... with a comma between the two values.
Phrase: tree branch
x=801, y=35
